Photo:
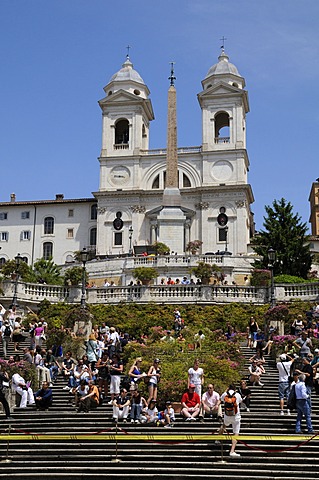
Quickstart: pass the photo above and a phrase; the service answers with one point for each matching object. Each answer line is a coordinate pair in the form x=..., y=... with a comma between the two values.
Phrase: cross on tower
x=128, y=51
x=172, y=77
x=223, y=40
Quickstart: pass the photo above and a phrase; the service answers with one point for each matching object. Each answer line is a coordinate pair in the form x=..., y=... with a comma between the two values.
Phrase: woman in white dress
x=196, y=376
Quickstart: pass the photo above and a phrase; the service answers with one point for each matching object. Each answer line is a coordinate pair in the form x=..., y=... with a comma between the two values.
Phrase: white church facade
x=212, y=178
x=127, y=209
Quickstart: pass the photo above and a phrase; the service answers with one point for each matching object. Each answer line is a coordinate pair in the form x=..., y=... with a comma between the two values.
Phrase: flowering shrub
x=194, y=246
x=26, y=370
x=260, y=278
x=279, y=312
x=281, y=340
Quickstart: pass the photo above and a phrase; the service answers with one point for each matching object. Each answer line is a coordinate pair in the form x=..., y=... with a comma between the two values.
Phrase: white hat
x=283, y=357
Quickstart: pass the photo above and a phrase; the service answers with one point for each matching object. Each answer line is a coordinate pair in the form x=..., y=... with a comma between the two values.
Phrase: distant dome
x=223, y=67
x=127, y=73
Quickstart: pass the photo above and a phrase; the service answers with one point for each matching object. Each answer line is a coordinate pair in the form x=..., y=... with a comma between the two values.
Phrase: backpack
x=230, y=405
x=292, y=399
x=7, y=331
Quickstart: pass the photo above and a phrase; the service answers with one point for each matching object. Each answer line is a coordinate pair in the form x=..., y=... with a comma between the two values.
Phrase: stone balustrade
x=33, y=294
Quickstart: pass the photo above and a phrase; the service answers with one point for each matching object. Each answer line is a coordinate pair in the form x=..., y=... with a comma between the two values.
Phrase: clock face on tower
x=119, y=175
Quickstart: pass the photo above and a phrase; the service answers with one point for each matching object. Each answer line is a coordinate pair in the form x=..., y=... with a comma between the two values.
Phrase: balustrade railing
x=205, y=294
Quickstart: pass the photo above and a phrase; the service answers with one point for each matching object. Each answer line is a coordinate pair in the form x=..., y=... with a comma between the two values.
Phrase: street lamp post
x=226, y=237
x=18, y=259
x=84, y=255
x=130, y=252
x=272, y=259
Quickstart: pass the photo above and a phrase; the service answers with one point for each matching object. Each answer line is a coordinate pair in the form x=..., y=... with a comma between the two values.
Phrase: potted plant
x=161, y=248
x=204, y=271
x=194, y=246
x=145, y=274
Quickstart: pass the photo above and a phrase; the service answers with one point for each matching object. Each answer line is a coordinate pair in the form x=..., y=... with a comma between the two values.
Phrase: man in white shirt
x=211, y=404
x=112, y=341
x=232, y=417
x=19, y=386
x=283, y=367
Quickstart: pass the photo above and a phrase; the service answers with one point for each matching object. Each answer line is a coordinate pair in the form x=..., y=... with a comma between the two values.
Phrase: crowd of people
x=99, y=375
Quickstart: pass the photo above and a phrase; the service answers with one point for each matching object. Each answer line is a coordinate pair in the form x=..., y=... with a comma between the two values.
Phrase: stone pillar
x=171, y=219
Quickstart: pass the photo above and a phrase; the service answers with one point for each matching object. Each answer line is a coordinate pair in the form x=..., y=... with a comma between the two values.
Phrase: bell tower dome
x=127, y=112
x=224, y=104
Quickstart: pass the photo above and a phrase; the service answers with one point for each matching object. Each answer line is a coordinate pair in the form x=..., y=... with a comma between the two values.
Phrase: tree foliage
x=285, y=233
x=46, y=271
x=73, y=276
x=10, y=268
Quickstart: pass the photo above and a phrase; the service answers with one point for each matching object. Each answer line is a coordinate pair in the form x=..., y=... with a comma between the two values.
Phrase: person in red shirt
x=190, y=404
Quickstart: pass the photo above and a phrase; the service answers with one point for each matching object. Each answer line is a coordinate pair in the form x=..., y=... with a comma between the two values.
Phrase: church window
x=121, y=132
x=160, y=180
x=137, y=92
x=71, y=212
x=186, y=181
x=3, y=216
x=47, y=250
x=155, y=183
x=222, y=133
x=2, y=261
x=93, y=236
x=222, y=234
x=94, y=212
x=48, y=226
x=144, y=131
x=110, y=92
x=118, y=239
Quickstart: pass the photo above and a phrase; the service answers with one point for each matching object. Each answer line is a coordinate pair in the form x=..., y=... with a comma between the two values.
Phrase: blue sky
x=57, y=55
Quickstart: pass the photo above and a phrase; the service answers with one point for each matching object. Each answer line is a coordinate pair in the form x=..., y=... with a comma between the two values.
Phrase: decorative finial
x=128, y=52
x=223, y=45
x=172, y=77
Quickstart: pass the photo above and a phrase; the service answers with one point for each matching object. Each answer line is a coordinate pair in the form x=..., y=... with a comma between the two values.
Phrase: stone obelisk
x=171, y=219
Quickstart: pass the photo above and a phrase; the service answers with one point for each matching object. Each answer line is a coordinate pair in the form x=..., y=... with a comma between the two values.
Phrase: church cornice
x=244, y=190
x=122, y=98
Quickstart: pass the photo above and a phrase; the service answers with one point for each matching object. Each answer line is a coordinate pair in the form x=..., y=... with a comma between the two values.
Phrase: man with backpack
x=6, y=335
x=284, y=367
x=232, y=416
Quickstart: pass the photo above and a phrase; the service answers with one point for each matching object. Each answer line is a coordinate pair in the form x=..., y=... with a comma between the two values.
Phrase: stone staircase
x=268, y=458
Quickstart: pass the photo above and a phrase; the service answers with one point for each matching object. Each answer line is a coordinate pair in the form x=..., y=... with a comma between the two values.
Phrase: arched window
x=2, y=261
x=160, y=180
x=94, y=212
x=222, y=133
x=48, y=225
x=122, y=132
x=93, y=236
x=186, y=181
x=155, y=183
x=47, y=250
